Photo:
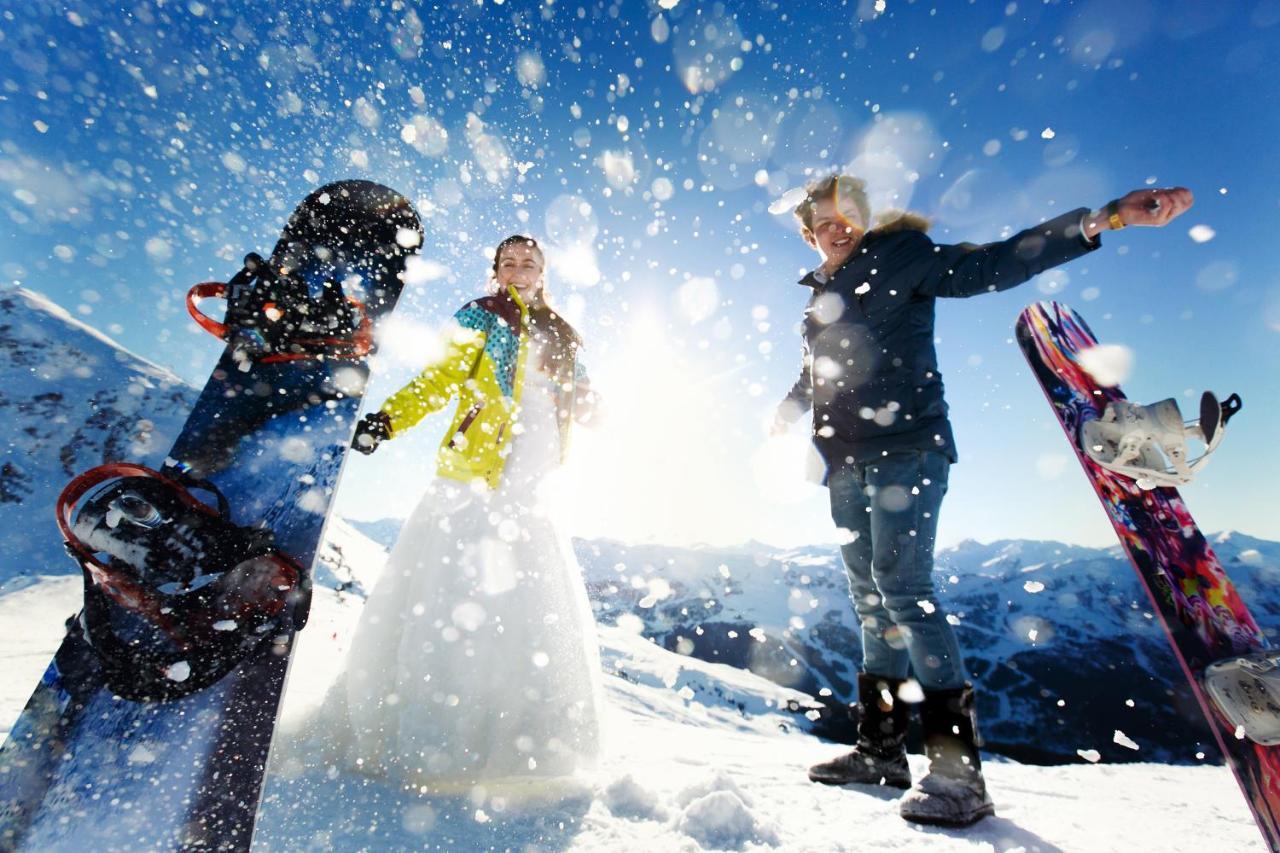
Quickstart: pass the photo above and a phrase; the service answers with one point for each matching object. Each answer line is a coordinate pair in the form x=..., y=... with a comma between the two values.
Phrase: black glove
x=373, y=429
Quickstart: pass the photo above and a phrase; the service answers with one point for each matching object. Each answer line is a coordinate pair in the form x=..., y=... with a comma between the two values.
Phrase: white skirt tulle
x=475, y=658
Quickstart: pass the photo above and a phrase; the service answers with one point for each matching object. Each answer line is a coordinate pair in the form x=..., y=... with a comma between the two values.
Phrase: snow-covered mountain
x=1059, y=637
x=70, y=399
x=383, y=531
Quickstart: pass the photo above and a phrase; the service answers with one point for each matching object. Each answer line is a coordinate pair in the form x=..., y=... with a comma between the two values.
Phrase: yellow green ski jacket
x=484, y=366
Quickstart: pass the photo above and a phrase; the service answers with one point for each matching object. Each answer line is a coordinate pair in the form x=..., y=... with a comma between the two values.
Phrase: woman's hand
x=373, y=429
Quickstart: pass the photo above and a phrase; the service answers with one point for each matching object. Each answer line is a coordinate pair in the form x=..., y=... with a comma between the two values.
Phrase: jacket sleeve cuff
x=1070, y=226
x=1092, y=242
x=1061, y=239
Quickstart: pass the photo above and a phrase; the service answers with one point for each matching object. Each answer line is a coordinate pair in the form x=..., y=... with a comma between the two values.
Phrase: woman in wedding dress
x=475, y=658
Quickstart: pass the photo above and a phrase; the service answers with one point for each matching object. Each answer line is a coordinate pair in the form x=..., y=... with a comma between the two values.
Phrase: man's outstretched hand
x=1154, y=208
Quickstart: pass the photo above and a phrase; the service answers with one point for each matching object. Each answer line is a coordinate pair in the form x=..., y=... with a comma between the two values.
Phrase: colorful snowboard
x=151, y=727
x=1207, y=623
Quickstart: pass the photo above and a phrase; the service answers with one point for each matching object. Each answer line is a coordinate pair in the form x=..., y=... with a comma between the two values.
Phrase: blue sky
x=143, y=151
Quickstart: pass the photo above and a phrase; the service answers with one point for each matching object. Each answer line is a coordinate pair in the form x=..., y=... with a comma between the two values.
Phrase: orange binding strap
x=81, y=485
x=123, y=590
x=207, y=290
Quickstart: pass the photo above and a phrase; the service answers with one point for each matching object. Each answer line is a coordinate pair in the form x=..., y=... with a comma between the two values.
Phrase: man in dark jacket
x=870, y=375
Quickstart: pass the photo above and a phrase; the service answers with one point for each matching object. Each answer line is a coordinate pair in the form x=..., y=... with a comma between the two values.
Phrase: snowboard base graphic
x=1217, y=642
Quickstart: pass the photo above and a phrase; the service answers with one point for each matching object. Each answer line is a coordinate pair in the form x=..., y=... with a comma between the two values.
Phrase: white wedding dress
x=475, y=658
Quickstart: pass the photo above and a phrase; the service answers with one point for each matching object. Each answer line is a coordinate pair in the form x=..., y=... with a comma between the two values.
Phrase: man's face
x=837, y=229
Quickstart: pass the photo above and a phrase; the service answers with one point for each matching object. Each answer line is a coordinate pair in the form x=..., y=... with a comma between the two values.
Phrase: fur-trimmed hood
x=885, y=223
x=893, y=221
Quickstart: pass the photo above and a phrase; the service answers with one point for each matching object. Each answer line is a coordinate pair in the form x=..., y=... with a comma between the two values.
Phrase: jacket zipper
x=472, y=413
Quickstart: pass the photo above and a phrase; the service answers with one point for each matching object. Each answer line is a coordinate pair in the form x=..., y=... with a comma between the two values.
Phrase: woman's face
x=520, y=266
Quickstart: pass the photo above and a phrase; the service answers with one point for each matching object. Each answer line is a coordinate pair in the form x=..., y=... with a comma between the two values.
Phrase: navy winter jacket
x=870, y=371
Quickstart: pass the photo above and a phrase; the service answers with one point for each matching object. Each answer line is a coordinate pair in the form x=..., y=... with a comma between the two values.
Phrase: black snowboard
x=151, y=727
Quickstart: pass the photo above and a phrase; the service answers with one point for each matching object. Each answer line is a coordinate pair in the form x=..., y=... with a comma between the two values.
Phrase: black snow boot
x=953, y=793
x=880, y=756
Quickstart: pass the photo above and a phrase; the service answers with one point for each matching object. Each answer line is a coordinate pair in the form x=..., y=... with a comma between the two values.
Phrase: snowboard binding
x=1246, y=691
x=272, y=317
x=184, y=594
x=1149, y=443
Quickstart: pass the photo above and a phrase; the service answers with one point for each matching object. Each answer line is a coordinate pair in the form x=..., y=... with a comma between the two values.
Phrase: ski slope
x=684, y=769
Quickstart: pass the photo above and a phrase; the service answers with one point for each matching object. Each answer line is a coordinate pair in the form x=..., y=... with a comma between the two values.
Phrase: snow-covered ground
x=685, y=769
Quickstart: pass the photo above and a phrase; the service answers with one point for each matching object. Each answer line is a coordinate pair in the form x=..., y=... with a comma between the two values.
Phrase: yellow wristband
x=1112, y=210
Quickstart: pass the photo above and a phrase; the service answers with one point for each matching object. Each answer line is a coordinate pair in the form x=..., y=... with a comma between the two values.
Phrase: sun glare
x=672, y=461
x=406, y=342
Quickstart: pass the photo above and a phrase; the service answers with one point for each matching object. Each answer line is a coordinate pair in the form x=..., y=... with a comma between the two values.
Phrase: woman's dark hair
x=515, y=240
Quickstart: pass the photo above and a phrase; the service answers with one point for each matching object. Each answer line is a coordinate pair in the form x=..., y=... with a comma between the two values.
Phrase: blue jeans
x=890, y=510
